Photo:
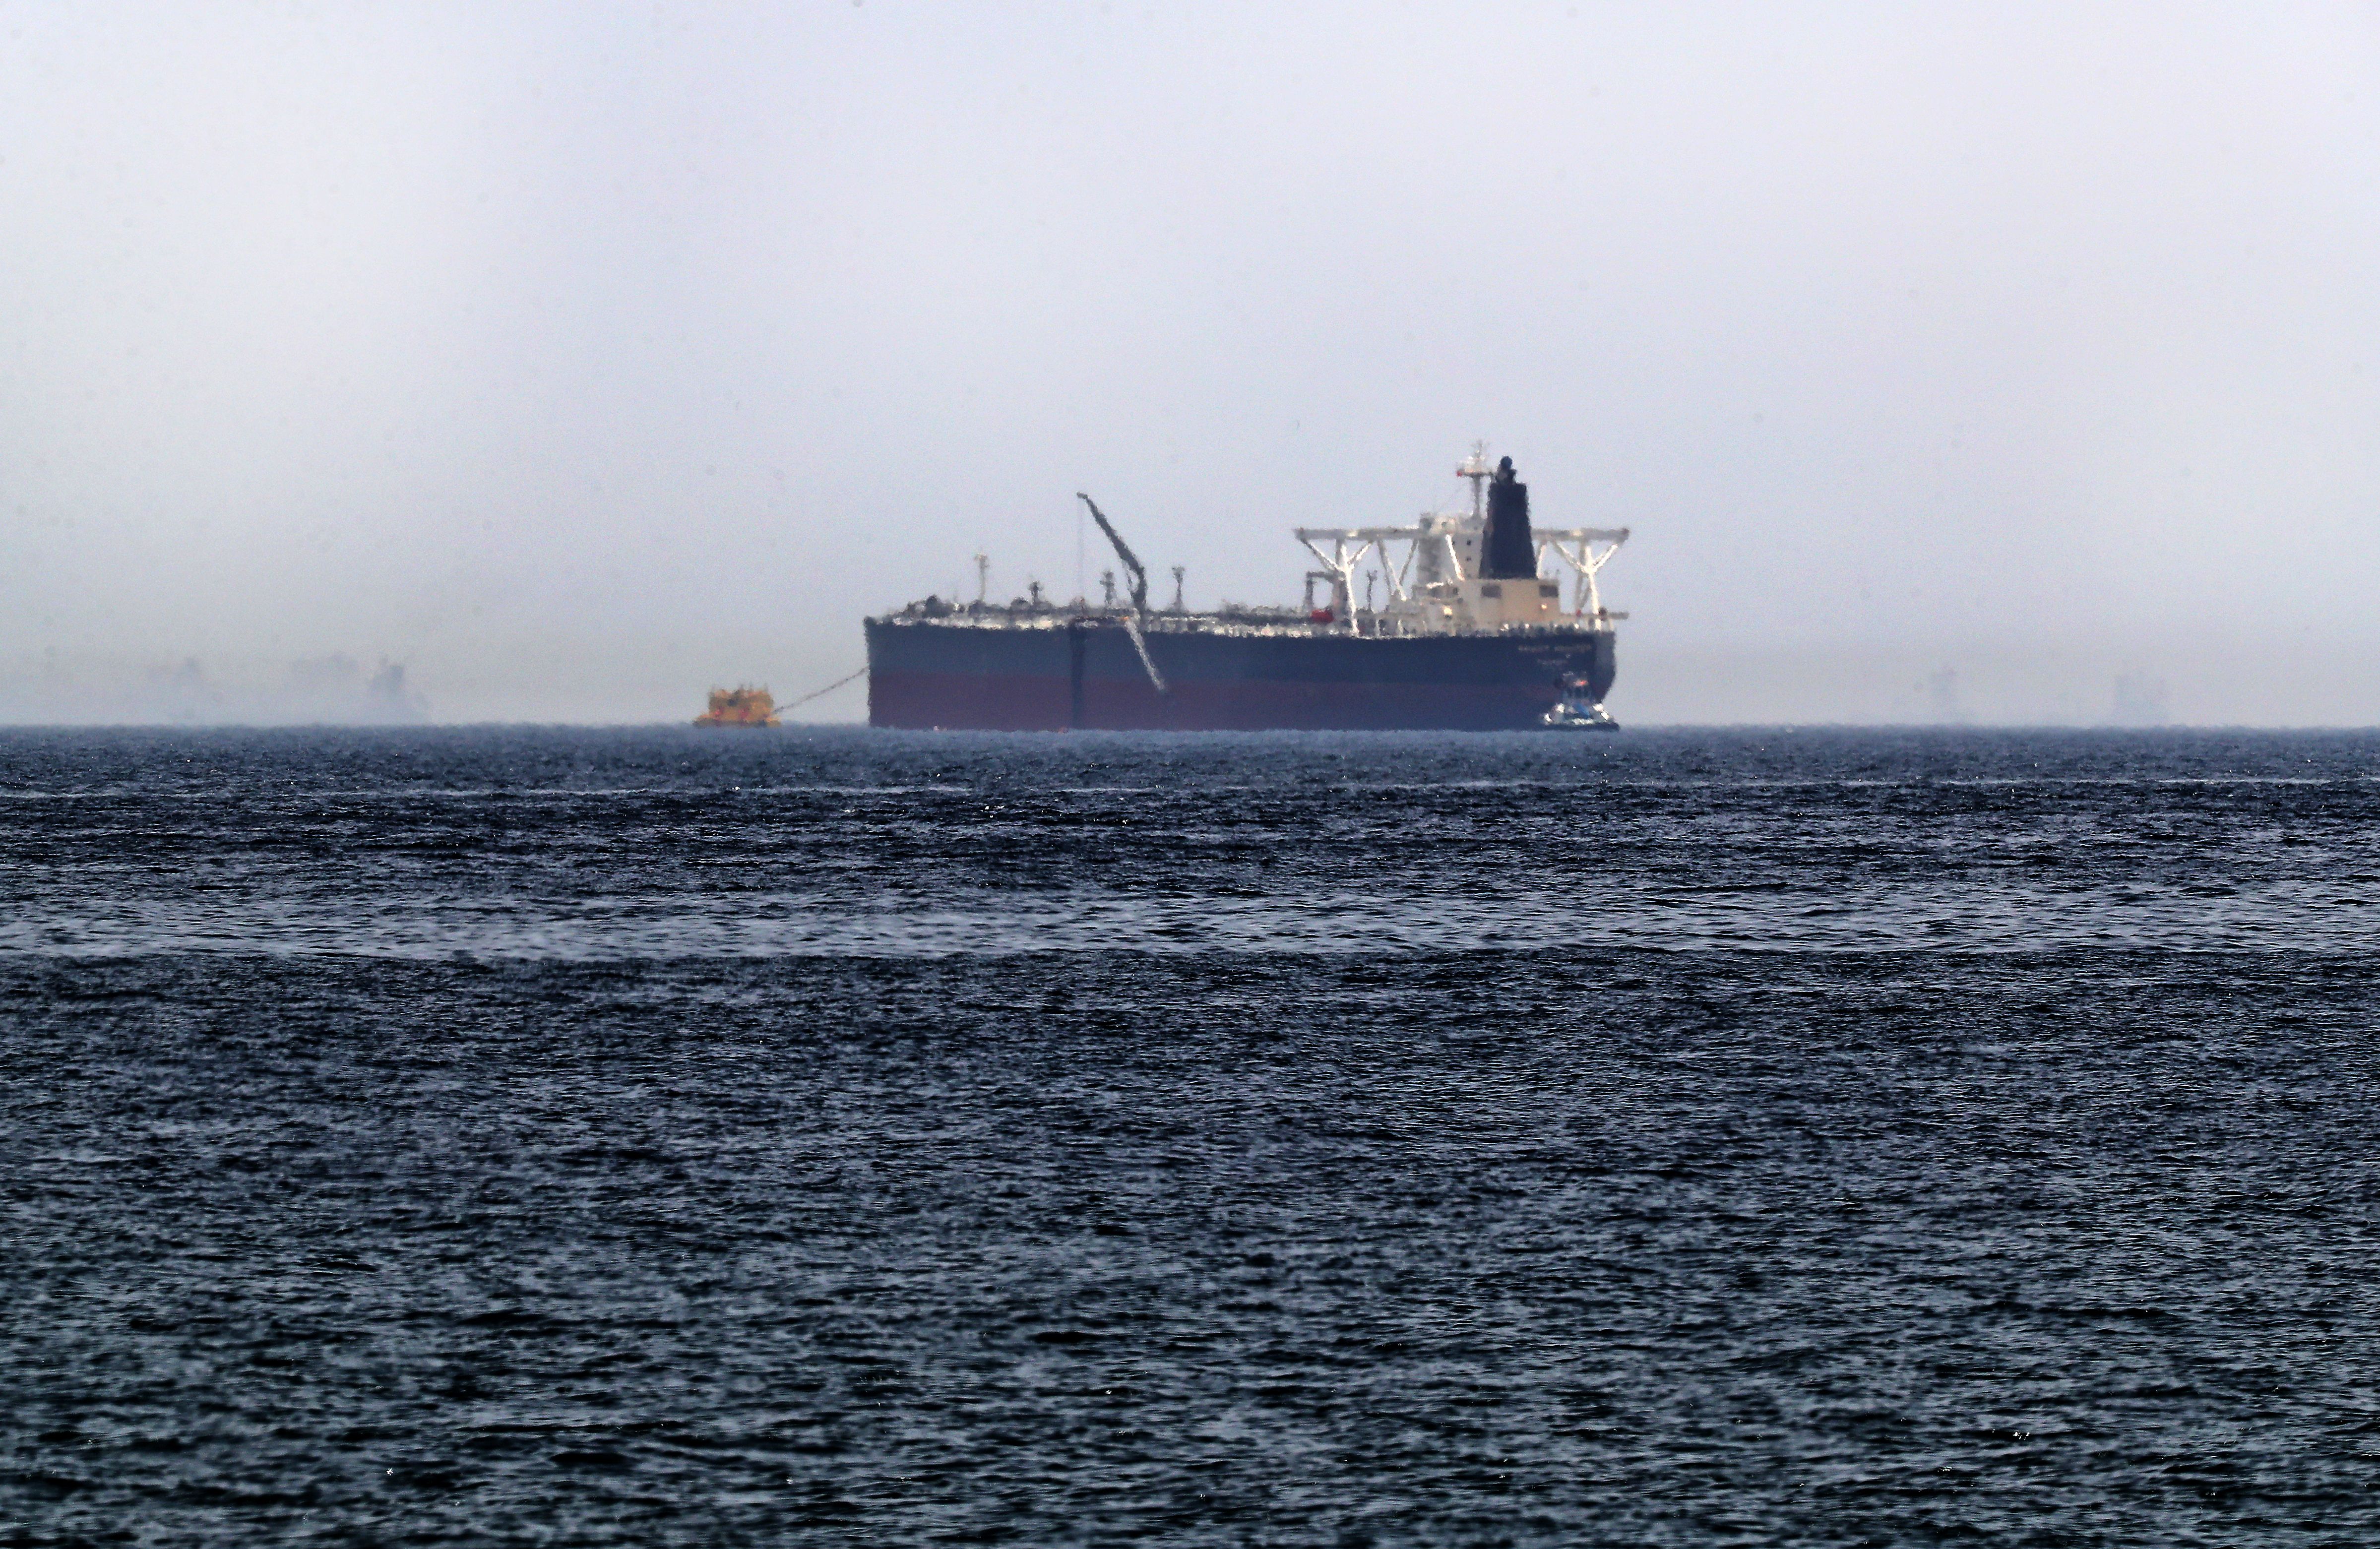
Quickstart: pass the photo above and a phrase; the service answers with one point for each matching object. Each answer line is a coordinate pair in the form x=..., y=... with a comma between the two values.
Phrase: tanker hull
x=1083, y=673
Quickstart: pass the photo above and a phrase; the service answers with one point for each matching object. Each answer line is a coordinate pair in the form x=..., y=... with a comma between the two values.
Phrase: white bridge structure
x=1435, y=587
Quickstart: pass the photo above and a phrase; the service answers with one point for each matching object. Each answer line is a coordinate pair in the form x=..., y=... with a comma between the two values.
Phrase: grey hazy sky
x=580, y=358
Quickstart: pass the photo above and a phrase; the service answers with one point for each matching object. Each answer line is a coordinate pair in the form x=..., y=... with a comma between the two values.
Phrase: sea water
x=662, y=1137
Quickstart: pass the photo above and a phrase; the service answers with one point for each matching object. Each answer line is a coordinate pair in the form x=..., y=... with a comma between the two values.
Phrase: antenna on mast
x=1477, y=468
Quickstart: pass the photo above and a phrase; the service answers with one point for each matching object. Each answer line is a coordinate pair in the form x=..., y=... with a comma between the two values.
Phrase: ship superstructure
x=1469, y=620
x=1467, y=573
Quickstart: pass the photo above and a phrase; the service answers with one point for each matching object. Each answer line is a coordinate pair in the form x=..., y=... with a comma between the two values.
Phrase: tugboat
x=1578, y=709
x=739, y=707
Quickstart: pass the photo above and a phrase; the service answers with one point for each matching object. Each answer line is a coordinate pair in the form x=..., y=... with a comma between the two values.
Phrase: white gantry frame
x=1344, y=561
x=1575, y=546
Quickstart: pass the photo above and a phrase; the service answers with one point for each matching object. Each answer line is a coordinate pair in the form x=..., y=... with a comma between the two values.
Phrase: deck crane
x=1139, y=615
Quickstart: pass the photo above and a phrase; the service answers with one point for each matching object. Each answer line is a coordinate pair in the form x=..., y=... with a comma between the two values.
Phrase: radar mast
x=1477, y=469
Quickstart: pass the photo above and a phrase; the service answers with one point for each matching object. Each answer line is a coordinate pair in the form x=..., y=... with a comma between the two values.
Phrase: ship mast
x=1477, y=468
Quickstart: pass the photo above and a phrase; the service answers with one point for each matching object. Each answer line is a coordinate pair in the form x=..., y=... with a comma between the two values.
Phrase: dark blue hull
x=926, y=672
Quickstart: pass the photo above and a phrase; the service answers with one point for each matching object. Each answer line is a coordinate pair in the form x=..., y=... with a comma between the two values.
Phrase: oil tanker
x=1458, y=622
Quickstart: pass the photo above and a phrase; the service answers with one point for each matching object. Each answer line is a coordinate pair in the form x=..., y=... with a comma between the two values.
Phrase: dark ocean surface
x=654, y=1137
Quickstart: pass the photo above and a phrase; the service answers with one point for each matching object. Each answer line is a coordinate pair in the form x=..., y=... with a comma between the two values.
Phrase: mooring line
x=827, y=689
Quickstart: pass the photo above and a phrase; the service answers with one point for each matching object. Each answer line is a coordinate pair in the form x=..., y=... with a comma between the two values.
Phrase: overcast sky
x=1945, y=361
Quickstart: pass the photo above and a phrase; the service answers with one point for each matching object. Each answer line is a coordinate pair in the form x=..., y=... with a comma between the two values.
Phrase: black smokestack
x=1507, y=554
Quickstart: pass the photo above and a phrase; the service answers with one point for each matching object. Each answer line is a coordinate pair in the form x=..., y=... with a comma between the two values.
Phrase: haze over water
x=2013, y=366
x=598, y=1137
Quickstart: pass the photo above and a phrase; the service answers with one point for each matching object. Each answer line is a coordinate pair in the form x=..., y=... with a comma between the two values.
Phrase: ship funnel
x=1508, y=551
